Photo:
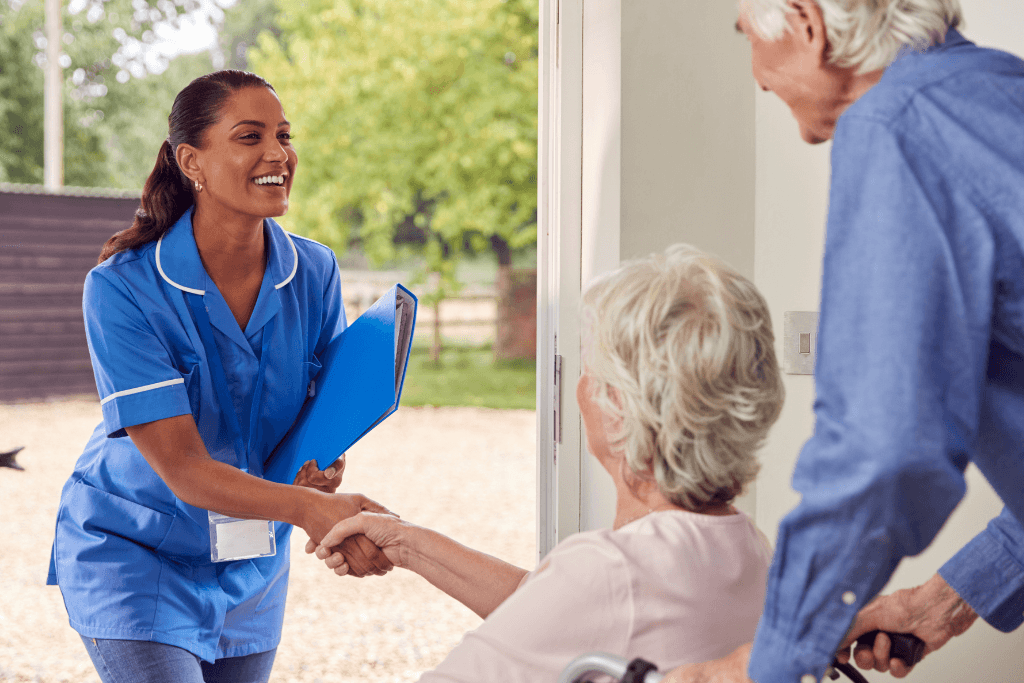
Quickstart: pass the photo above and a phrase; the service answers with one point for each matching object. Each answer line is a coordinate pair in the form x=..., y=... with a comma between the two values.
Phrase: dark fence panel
x=48, y=242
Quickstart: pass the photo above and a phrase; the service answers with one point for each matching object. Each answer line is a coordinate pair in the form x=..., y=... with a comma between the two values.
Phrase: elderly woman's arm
x=479, y=581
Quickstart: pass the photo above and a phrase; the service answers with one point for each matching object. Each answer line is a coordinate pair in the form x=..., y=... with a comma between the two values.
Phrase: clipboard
x=359, y=385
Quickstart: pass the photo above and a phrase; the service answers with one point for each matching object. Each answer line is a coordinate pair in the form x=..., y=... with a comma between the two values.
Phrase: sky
x=195, y=32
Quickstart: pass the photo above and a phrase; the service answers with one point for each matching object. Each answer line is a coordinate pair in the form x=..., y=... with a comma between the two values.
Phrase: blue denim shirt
x=920, y=364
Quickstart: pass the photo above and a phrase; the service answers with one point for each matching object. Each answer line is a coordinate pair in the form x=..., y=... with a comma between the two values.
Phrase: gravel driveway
x=467, y=472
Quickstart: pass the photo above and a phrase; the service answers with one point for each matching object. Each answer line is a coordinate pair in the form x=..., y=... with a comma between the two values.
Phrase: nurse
x=205, y=321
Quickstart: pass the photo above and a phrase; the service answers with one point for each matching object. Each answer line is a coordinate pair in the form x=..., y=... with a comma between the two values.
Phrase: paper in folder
x=358, y=386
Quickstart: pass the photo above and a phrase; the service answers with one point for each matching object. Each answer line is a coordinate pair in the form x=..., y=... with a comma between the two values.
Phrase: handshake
x=358, y=545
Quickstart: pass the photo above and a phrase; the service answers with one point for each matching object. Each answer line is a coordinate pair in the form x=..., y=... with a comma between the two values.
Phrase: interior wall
x=790, y=210
x=602, y=157
x=687, y=134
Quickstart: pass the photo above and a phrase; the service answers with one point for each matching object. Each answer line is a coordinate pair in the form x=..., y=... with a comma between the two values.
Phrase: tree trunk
x=435, y=347
x=515, y=335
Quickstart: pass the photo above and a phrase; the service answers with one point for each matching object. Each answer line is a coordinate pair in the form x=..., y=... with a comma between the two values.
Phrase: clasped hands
x=355, y=552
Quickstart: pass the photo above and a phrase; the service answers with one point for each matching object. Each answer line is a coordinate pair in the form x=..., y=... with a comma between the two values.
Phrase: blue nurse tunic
x=131, y=559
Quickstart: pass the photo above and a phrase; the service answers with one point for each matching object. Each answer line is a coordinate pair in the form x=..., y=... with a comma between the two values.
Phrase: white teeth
x=270, y=179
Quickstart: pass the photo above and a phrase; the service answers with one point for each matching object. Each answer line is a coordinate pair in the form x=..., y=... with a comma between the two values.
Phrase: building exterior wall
x=48, y=243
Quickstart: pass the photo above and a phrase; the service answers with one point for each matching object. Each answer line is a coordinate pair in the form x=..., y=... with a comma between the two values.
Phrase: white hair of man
x=863, y=34
x=680, y=351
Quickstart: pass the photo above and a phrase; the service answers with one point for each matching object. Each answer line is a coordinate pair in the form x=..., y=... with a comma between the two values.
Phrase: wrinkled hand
x=327, y=481
x=383, y=530
x=363, y=556
x=730, y=669
x=933, y=612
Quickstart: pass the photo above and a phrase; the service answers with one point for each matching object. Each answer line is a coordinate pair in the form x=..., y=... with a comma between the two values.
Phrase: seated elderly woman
x=679, y=388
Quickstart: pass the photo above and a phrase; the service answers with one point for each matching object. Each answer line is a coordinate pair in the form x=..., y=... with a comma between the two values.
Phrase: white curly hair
x=864, y=34
x=680, y=352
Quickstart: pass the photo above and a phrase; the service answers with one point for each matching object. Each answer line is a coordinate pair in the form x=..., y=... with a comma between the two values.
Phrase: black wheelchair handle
x=905, y=646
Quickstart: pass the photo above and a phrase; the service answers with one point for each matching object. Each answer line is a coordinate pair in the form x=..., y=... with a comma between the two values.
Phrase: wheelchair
x=905, y=646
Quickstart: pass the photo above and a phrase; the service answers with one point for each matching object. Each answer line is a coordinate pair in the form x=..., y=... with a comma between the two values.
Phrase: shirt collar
x=177, y=257
x=909, y=55
x=178, y=262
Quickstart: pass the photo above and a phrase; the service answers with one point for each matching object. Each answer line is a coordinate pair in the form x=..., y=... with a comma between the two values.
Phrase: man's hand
x=327, y=481
x=729, y=669
x=933, y=612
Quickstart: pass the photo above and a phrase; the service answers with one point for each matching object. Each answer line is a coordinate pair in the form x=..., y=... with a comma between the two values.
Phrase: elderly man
x=921, y=347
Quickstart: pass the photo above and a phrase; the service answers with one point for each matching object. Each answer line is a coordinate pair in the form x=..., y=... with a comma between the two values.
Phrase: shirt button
x=808, y=678
x=849, y=598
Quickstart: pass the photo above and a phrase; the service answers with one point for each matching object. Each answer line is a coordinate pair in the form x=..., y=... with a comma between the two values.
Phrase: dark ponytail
x=167, y=193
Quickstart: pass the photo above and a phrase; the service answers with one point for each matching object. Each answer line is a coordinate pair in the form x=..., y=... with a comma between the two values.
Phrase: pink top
x=672, y=587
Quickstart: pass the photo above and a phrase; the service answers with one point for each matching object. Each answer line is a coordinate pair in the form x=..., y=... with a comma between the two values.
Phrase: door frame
x=559, y=253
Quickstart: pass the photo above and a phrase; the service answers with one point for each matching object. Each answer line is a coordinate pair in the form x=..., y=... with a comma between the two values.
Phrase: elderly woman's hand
x=382, y=530
x=324, y=512
x=327, y=481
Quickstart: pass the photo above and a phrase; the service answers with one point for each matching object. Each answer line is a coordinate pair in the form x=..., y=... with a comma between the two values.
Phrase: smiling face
x=247, y=163
x=795, y=68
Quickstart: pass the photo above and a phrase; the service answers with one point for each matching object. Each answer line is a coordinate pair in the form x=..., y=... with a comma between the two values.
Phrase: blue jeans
x=143, y=661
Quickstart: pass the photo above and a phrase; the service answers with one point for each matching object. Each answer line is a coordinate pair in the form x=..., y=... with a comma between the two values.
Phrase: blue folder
x=358, y=386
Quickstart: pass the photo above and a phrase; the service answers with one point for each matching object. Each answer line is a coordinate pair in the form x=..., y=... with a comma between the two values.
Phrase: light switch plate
x=796, y=323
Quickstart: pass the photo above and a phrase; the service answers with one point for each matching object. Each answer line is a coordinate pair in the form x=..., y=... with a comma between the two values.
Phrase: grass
x=469, y=376
x=471, y=269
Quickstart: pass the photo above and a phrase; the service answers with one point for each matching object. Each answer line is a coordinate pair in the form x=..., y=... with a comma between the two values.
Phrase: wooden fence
x=468, y=319
x=48, y=242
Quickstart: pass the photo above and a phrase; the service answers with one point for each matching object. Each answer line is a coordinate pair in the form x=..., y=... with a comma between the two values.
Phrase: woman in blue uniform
x=204, y=321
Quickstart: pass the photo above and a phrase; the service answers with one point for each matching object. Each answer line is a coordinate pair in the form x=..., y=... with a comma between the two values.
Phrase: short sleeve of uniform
x=135, y=376
x=578, y=600
x=334, y=322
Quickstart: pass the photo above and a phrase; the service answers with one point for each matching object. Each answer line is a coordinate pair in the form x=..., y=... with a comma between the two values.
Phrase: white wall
x=791, y=203
x=687, y=130
x=687, y=146
x=602, y=156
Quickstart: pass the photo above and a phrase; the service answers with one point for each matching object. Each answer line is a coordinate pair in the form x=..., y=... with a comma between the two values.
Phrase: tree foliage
x=116, y=94
x=415, y=120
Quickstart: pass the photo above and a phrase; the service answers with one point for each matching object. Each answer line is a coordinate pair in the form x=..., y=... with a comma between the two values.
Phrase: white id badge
x=240, y=539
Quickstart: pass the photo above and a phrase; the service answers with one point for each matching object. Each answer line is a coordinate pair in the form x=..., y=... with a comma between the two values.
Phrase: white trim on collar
x=160, y=268
x=295, y=266
x=200, y=292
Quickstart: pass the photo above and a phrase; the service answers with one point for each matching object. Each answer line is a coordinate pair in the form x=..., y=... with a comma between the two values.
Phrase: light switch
x=800, y=335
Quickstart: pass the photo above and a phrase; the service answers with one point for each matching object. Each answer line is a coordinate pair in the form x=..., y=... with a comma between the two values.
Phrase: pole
x=53, y=111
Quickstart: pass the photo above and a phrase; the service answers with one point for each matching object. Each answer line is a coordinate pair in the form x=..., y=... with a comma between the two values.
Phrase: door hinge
x=558, y=399
x=558, y=33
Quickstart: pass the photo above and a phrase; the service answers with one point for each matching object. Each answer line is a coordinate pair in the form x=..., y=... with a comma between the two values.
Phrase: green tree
x=21, y=102
x=116, y=99
x=240, y=29
x=415, y=120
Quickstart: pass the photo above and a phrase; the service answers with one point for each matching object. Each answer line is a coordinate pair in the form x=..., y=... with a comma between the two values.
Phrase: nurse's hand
x=363, y=557
x=327, y=480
